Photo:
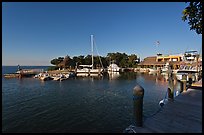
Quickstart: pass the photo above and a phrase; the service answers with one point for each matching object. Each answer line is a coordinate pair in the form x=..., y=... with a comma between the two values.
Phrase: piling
x=183, y=83
x=190, y=80
x=181, y=87
x=138, y=94
x=170, y=88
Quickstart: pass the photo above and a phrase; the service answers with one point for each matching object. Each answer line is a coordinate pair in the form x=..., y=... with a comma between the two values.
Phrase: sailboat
x=88, y=70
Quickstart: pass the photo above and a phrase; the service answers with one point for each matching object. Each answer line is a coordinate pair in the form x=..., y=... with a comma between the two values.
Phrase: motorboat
x=188, y=71
x=113, y=68
x=165, y=68
x=45, y=77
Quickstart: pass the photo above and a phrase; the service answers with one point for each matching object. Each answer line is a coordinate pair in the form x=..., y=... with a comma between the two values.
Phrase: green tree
x=56, y=61
x=193, y=13
x=66, y=62
x=88, y=60
x=132, y=60
x=104, y=62
x=78, y=60
x=121, y=59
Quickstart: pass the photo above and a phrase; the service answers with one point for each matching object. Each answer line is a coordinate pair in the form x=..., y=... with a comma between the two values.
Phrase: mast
x=92, y=49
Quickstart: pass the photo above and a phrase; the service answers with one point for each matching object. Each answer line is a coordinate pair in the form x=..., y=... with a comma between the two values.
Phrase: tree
x=78, y=60
x=88, y=60
x=121, y=59
x=193, y=13
x=65, y=63
x=132, y=60
x=56, y=61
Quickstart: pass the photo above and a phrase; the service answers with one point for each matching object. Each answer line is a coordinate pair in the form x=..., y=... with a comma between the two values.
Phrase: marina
x=94, y=68
x=116, y=93
x=112, y=90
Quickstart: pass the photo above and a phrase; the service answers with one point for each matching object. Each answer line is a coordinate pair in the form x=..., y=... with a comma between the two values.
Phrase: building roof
x=151, y=61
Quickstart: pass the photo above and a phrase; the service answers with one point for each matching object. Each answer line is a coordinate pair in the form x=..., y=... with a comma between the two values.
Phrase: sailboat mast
x=92, y=49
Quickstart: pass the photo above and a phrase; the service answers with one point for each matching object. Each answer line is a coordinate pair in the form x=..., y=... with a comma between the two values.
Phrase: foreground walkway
x=183, y=115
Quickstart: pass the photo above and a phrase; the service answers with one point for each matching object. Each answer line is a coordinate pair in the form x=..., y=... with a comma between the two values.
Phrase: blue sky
x=35, y=33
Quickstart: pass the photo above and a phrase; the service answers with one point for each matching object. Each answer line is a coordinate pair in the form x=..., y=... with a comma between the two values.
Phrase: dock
x=23, y=73
x=182, y=115
x=12, y=75
x=197, y=84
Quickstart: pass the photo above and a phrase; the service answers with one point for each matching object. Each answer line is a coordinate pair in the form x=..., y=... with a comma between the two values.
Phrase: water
x=78, y=104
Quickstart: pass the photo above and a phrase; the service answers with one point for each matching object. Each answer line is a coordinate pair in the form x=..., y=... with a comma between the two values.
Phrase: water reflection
x=113, y=75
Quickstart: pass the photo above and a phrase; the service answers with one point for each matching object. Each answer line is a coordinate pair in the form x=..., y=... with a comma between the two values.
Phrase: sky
x=34, y=33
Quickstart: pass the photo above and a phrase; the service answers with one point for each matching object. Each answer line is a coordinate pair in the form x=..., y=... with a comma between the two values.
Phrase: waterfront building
x=168, y=58
x=160, y=61
x=191, y=58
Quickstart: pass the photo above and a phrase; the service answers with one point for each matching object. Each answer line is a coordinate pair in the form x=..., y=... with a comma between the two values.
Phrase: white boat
x=38, y=75
x=62, y=76
x=59, y=77
x=88, y=70
x=113, y=68
x=165, y=68
x=186, y=70
x=153, y=70
x=45, y=77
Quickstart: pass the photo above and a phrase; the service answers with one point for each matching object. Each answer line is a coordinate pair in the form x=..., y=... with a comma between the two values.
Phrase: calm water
x=77, y=104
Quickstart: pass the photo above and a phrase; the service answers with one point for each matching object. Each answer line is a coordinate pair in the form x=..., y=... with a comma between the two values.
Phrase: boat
x=88, y=70
x=165, y=68
x=45, y=77
x=188, y=71
x=153, y=70
x=113, y=68
x=38, y=75
x=192, y=66
x=60, y=77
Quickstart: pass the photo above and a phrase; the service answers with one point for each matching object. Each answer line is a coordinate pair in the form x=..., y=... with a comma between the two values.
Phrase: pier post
x=170, y=87
x=138, y=94
x=190, y=78
x=181, y=87
x=183, y=83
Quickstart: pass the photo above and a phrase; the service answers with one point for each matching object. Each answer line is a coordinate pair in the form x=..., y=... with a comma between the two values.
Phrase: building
x=168, y=58
x=160, y=60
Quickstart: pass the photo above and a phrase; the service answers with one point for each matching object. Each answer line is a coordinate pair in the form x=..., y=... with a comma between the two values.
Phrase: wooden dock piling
x=138, y=94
